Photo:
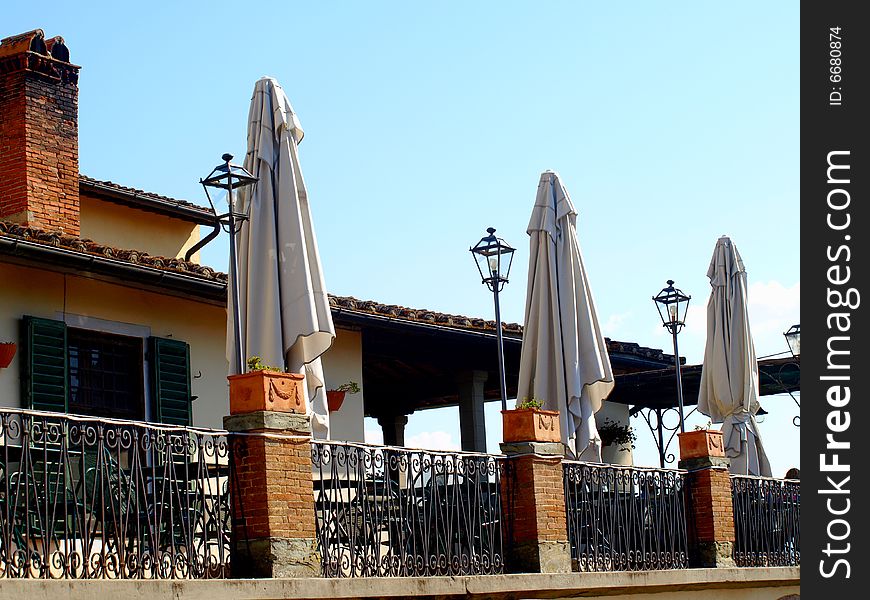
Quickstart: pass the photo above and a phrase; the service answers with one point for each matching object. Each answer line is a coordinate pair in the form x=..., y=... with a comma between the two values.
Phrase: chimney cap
x=32, y=41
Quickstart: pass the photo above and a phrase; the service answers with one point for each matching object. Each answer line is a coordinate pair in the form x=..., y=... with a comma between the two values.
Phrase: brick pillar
x=39, y=157
x=273, y=498
x=533, y=505
x=711, y=517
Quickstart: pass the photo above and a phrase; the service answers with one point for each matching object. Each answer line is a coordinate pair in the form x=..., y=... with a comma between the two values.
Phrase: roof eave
x=200, y=216
x=42, y=255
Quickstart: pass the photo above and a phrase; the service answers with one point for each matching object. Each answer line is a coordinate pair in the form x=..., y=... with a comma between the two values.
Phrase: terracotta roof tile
x=352, y=304
x=136, y=257
x=135, y=192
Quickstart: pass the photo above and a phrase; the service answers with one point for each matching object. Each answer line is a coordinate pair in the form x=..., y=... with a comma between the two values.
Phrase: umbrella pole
x=561, y=331
x=498, y=334
x=679, y=381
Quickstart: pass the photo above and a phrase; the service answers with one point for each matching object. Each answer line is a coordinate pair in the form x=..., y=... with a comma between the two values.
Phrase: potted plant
x=701, y=442
x=616, y=441
x=7, y=352
x=335, y=398
x=528, y=422
x=614, y=434
x=265, y=387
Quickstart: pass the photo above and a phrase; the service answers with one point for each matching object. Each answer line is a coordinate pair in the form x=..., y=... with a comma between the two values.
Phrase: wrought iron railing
x=625, y=518
x=766, y=521
x=384, y=511
x=87, y=498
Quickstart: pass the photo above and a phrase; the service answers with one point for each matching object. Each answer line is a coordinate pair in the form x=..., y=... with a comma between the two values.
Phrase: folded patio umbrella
x=563, y=361
x=729, y=377
x=285, y=314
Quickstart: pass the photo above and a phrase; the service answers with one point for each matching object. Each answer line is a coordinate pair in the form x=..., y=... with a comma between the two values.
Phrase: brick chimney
x=39, y=146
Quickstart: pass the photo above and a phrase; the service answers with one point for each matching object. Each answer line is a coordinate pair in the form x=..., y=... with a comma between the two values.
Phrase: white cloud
x=773, y=308
x=614, y=323
x=428, y=440
x=374, y=436
x=432, y=440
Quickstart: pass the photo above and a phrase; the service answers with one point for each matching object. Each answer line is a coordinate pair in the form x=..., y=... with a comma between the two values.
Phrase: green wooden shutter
x=170, y=380
x=44, y=365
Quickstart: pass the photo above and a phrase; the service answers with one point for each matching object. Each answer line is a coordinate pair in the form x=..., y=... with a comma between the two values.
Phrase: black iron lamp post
x=793, y=337
x=672, y=305
x=493, y=257
x=229, y=177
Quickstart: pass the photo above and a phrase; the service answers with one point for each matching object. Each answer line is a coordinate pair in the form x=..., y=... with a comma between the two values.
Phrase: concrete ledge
x=268, y=420
x=569, y=585
x=522, y=448
x=704, y=462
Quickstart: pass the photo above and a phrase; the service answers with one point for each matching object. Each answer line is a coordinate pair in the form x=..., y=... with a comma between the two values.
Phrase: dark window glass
x=105, y=375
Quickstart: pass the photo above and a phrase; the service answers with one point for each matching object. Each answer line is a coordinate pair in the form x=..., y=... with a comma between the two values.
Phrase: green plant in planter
x=526, y=404
x=614, y=434
x=351, y=387
x=255, y=363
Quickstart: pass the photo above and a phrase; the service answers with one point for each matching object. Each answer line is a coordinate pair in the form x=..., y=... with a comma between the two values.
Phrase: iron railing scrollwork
x=84, y=498
x=388, y=512
x=766, y=521
x=625, y=518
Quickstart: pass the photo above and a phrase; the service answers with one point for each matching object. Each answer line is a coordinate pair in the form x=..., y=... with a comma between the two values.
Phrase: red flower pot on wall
x=7, y=353
x=530, y=425
x=334, y=399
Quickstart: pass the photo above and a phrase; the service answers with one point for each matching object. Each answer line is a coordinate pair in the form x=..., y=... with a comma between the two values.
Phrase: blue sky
x=671, y=123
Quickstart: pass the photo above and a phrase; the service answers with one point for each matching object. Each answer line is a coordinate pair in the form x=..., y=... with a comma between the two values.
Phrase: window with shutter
x=105, y=374
x=170, y=380
x=45, y=364
x=101, y=374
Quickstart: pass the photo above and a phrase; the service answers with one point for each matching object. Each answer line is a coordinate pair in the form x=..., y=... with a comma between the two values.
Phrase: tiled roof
x=514, y=330
x=137, y=193
x=86, y=246
x=419, y=315
x=342, y=303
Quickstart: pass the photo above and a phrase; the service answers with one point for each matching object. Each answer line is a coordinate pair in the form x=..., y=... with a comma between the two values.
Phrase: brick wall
x=710, y=491
x=534, y=494
x=39, y=170
x=273, y=487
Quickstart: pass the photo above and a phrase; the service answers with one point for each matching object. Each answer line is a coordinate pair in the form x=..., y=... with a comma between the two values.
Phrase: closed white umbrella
x=564, y=360
x=285, y=314
x=729, y=378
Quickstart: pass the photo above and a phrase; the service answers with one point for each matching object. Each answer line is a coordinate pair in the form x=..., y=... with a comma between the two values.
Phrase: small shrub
x=255, y=363
x=526, y=403
x=351, y=387
x=614, y=434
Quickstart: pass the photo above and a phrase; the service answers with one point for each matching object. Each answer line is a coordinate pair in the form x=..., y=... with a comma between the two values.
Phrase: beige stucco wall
x=94, y=304
x=343, y=363
x=131, y=228
x=31, y=291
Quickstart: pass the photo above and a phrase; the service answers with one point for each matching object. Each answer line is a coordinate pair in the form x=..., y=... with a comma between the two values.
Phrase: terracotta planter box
x=7, y=352
x=701, y=443
x=334, y=399
x=266, y=390
x=531, y=425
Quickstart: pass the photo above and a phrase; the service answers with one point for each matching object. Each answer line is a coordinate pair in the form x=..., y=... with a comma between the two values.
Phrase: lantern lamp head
x=493, y=257
x=793, y=337
x=672, y=305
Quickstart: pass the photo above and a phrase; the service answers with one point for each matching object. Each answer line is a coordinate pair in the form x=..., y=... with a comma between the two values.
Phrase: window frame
x=136, y=348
